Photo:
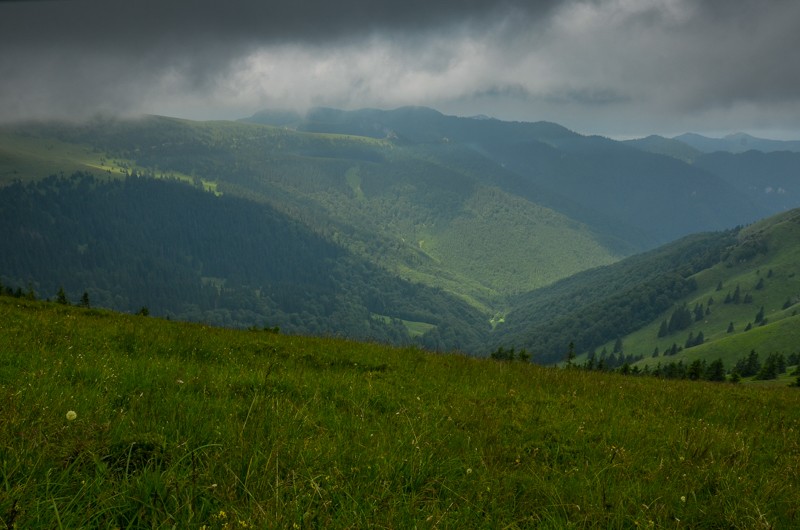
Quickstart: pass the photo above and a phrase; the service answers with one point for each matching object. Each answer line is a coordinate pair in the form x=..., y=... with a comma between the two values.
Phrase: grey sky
x=616, y=67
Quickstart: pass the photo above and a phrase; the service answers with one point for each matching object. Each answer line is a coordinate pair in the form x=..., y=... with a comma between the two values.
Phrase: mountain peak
x=738, y=142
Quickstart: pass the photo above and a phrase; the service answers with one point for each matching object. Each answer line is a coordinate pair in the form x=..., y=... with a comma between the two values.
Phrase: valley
x=405, y=226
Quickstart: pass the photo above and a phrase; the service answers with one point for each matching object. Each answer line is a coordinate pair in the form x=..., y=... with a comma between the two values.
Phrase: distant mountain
x=665, y=146
x=771, y=180
x=736, y=143
x=636, y=199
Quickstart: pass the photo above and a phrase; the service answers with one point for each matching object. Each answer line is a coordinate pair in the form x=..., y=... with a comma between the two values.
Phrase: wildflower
x=71, y=415
x=683, y=498
x=469, y=471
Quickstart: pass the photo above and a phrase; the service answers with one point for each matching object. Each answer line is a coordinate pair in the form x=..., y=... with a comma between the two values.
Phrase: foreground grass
x=187, y=426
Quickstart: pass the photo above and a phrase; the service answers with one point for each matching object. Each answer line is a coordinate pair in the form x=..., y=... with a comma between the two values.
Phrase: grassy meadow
x=186, y=426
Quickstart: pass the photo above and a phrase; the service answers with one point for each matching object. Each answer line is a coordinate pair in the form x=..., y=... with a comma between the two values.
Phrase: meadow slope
x=181, y=425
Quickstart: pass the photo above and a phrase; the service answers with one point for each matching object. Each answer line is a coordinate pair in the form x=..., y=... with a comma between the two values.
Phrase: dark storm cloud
x=80, y=55
x=170, y=30
x=600, y=65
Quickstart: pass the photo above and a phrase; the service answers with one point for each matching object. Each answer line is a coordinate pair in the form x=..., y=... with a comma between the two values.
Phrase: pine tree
x=85, y=300
x=681, y=319
x=570, y=353
x=61, y=297
x=736, y=298
x=698, y=312
x=715, y=371
x=730, y=328
x=696, y=370
x=663, y=330
x=752, y=364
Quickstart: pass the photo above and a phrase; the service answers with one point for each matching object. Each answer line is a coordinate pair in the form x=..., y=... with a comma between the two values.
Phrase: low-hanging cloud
x=613, y=66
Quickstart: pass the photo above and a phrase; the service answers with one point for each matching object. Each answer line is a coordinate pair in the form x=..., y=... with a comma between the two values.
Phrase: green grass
x=183, y=425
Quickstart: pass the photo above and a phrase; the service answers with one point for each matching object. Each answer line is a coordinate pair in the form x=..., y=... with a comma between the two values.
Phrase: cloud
x=613, y=66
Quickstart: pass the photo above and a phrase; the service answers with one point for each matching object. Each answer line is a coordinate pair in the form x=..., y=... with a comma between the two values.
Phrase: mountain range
x=401, y=226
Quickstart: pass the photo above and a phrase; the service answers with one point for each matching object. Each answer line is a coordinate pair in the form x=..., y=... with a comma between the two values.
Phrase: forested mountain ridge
x=400, y=207
x=439, y=216
x=640, y=198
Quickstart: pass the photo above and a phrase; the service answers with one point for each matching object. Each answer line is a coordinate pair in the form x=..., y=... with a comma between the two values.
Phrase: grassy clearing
x=415, y=329
x=27, y=157
x=189, y=426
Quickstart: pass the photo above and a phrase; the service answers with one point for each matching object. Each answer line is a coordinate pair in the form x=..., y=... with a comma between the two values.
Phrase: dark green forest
x=187, y=254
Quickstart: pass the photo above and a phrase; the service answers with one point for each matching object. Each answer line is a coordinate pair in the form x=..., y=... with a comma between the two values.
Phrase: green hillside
x=717, y=283
x=595, y=307
x=398, y=206
x=707, y=297
x=765, y=266
x=127, y=421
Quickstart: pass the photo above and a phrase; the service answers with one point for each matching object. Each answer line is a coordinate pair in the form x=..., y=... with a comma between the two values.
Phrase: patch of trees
x=501, y=354
x=608, y=363
x=774, y=365
x=701, y=370
x=697, y=370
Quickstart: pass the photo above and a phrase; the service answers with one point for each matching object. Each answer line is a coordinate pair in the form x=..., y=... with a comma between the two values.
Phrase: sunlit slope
x=26, y=156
